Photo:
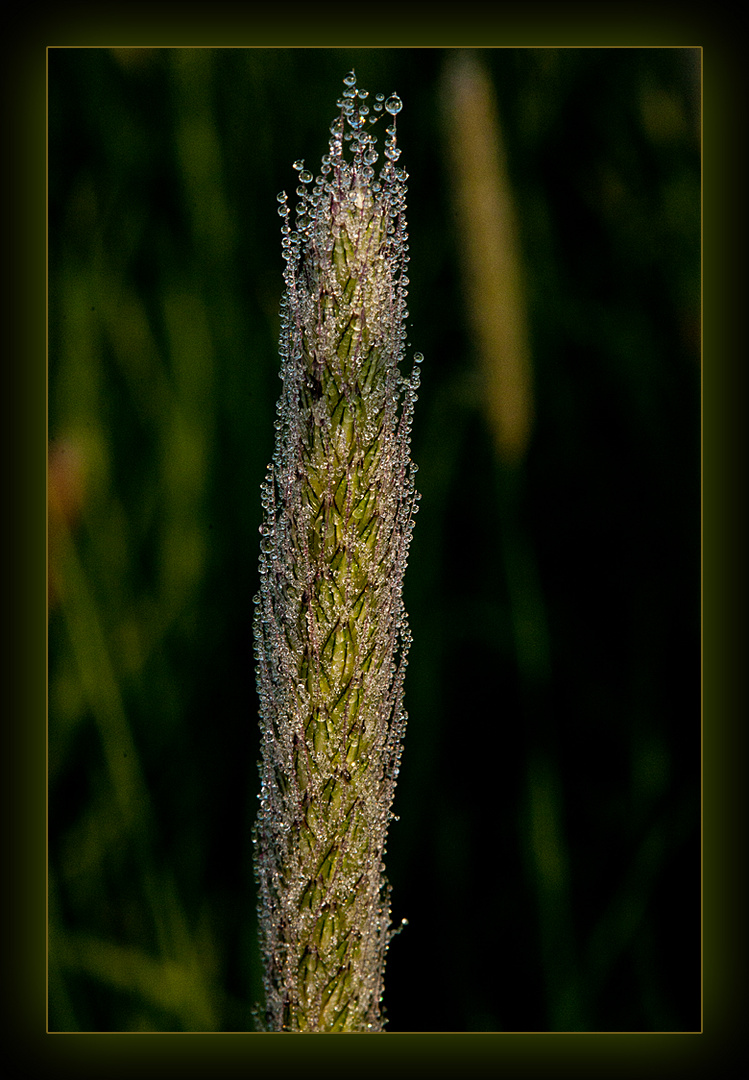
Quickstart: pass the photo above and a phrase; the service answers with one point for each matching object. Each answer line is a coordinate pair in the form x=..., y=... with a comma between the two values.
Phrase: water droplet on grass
x=393, y=104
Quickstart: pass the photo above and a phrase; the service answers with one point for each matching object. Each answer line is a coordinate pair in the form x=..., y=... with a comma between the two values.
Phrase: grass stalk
x=331, y=630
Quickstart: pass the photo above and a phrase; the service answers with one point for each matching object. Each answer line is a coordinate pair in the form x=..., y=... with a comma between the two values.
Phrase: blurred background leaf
x=547, y=855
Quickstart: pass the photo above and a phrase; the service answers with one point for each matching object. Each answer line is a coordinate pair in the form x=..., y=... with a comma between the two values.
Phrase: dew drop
x=418, y=357
x=393, y=104
x=350, y=79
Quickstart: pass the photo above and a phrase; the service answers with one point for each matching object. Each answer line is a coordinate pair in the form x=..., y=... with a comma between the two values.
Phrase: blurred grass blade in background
x=489, y=250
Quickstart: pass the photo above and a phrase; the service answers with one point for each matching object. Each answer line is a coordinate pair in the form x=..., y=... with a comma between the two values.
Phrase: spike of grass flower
x=331, y=631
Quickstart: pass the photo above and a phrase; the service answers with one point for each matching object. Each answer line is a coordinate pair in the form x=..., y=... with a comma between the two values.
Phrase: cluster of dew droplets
x=351, y=130
x=347, y=179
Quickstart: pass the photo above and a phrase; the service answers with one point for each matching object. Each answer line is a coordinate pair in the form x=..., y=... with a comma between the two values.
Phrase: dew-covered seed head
x=331, y=631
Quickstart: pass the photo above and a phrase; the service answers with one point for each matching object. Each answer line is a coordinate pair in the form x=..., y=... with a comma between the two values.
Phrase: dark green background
x=547, y=856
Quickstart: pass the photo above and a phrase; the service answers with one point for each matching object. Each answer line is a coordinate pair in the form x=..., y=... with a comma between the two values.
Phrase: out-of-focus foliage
x=547, y=853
